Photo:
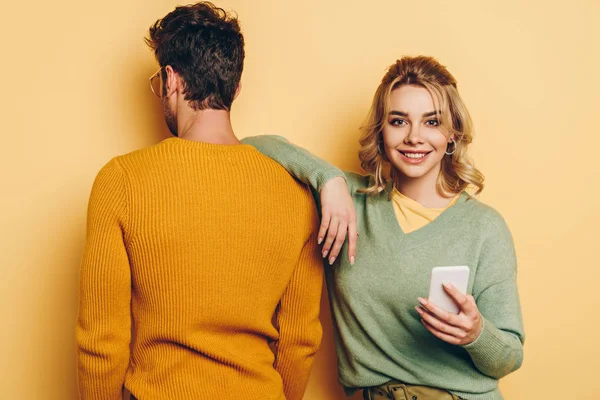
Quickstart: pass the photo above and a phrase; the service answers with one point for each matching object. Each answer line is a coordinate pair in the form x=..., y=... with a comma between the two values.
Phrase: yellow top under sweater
x=412, y=215
x=191, y=250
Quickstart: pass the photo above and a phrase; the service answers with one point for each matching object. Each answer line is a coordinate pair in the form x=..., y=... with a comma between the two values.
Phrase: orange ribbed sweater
x=198, y=258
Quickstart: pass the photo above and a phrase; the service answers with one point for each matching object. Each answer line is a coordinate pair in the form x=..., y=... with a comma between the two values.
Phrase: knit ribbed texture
x=378, y=333
x=200, y=246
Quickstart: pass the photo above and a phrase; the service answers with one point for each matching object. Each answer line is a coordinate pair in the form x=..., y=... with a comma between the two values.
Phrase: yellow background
x=75, y=93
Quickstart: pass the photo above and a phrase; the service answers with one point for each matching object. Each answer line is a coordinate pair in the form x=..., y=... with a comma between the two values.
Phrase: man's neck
x=208, y=126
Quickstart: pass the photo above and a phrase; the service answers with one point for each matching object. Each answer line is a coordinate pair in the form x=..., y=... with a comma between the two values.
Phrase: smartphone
x=457, y=276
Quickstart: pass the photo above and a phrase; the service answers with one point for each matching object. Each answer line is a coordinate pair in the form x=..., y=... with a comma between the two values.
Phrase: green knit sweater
x=378, y=333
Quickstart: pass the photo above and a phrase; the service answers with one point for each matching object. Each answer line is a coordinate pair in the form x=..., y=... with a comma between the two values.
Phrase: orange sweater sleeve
x=104, y=324
x=298, y=320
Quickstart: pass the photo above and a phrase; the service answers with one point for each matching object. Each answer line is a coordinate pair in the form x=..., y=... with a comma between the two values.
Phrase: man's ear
x=172, y=82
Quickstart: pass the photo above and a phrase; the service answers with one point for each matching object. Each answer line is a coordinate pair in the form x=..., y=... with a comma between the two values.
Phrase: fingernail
x=331, y=260
x=422, y=301
x=419, y=310
x=352, y=260
x=319, y=241
x=448, y=286
x=325, y=253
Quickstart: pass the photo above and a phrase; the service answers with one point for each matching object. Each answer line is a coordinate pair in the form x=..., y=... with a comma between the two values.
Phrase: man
x=201, y=254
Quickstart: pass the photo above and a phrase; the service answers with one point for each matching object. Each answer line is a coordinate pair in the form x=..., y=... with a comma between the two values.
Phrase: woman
x=390, y=341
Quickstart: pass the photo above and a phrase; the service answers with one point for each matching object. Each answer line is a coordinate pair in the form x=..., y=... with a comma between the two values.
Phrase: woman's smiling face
x=412, y=139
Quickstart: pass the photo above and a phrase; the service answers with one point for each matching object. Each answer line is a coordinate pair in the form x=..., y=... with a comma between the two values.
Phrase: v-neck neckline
x=426, y=231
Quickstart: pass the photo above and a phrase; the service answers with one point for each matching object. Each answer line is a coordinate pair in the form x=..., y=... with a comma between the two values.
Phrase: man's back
x=198, y=245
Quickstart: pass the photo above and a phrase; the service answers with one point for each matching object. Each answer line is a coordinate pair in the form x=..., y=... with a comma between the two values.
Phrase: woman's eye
x=433, y=122
x=397, y=122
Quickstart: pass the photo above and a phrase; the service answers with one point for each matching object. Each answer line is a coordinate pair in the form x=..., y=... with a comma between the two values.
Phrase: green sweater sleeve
x=498, y=350
x=300, y=163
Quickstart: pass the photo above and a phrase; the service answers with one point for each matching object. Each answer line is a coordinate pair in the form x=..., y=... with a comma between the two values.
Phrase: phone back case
x=457, y=276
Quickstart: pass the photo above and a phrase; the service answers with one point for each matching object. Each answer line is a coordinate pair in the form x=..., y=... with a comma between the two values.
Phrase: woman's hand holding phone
x=338, y=218
x=459, y=329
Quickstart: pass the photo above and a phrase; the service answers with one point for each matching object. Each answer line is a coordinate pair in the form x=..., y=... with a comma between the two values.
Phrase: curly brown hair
x=204, y=44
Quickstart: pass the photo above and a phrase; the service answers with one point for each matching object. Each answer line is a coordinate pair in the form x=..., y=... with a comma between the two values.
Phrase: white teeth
x=415, y=155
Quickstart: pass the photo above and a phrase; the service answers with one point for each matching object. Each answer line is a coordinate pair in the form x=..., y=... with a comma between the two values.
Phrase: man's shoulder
x=275, y=176
x=145, y=153
x=281, y=189
x=262, y=171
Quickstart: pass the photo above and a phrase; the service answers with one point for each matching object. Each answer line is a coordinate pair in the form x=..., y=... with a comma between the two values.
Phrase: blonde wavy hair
x=457, y=170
